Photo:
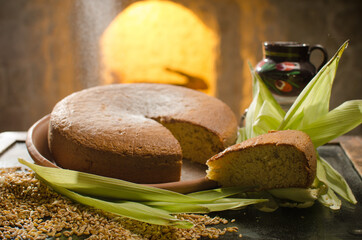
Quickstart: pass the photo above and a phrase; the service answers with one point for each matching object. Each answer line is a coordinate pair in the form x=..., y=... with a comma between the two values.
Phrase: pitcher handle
x=323, y=50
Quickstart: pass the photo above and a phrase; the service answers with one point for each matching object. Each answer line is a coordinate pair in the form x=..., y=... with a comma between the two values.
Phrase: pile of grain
x=30, y=210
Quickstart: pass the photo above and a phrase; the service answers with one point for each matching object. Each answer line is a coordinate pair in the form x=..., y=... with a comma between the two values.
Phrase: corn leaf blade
x=99, y=186
x=330, y=200
x=263, y=113
x=132, y=210
x=328, y=175
x=335, y=123
x=296, y=194
x=215, y=194
x=231, y=204
x=215, y=206
x=179, y=207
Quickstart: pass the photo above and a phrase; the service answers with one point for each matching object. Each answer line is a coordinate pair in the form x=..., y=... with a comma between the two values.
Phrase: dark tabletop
x=316, y=222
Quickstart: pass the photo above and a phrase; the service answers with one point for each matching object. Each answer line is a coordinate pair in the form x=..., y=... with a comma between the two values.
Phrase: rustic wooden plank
x=352, y=145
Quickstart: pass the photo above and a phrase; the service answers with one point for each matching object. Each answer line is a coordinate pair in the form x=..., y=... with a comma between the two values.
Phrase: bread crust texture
x=120, y=130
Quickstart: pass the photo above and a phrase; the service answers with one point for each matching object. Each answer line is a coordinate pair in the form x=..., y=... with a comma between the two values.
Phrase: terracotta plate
x=192, y=174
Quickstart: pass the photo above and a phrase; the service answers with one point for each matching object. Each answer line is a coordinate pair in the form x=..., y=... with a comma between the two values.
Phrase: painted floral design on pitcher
x=286, y=68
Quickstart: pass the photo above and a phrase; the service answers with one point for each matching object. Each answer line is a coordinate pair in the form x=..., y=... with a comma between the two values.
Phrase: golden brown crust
x=124, y=121
x=298, y=139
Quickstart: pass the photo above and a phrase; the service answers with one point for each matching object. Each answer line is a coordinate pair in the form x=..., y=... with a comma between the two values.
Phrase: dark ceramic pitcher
x=286, y=68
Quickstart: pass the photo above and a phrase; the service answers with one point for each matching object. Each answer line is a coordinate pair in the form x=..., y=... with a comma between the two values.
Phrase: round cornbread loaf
x=277, y=159
x=138, y=132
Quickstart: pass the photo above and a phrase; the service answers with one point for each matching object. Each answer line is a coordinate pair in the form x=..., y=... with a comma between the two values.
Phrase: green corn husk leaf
x=99, y=186
x=241, y=135
x=215, y=194
x=232, y=204
x=296, y=194
x=331, y=200
x=175, y=208
x=132, y=210
x=335, y=123
x=215, y=206
x=208, y=201
x=269, y=206
x=264, y=113
x=328, y=175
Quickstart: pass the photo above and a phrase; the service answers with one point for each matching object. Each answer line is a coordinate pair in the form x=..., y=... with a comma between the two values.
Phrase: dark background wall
x=49, y=49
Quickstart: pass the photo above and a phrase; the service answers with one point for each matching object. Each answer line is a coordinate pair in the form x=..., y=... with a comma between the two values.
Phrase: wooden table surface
x=352, y=145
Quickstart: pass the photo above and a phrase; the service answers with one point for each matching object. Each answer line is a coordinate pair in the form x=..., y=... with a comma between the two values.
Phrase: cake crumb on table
x=31, y=210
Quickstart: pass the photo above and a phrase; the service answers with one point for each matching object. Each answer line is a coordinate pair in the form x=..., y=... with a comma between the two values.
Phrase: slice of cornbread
x=278, y=159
